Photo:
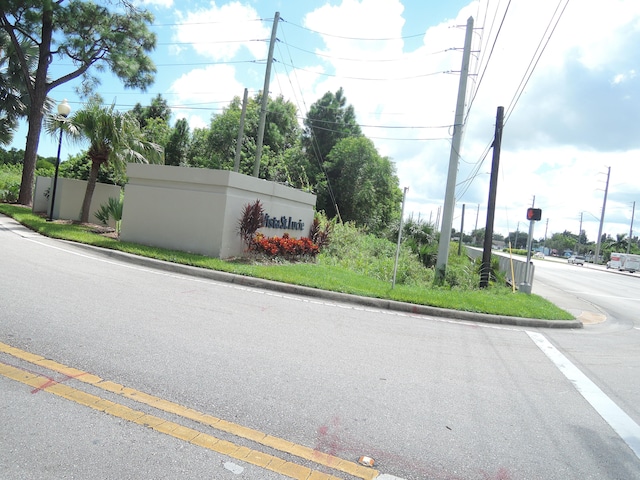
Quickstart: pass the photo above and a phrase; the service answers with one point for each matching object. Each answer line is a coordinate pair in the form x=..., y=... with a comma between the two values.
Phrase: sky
x=566, y=73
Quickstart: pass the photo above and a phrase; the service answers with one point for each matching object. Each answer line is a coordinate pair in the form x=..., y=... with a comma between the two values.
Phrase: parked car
x=576, y=260
x=538, y=255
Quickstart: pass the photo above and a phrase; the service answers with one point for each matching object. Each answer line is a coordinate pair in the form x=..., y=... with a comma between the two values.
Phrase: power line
x=404, y=58
x=493, y=46
x=357, y=38
x=525, y=79
x=533, y=64
x=369, y=79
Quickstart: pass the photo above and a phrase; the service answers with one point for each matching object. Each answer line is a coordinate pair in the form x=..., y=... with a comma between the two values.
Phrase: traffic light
x=534, y=213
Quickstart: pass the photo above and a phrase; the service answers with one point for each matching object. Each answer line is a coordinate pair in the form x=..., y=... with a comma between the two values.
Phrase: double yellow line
x=195, y=437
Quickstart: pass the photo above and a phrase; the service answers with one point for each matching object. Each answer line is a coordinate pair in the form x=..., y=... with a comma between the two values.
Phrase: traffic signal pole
x=533, y=215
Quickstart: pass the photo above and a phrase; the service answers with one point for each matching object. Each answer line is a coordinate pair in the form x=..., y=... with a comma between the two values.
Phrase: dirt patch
x=104, y=230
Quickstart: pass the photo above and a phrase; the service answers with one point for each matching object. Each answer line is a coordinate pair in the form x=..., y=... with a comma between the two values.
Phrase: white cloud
x=159, y=3
x=563, y=119
x=222, y=32
x=211, y=87
x=573, y=118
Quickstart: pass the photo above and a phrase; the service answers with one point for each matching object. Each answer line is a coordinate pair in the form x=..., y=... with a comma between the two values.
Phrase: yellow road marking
x=306, y=453
x=161, y=425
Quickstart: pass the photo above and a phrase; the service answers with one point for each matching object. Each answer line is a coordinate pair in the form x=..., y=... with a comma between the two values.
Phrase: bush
x=45, y=168
x=10, y=179
x=284, y=247
x=369, y=255
x=320, y=231
x=111, y=209
x=250, y=221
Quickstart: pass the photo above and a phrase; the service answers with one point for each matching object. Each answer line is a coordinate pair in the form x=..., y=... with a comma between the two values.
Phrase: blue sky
x=565, y=71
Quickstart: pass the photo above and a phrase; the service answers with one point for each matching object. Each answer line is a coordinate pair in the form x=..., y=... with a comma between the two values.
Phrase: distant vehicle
x=538, y=255
x=630, y=263
x=576, y=260
x=624, y=262
x=615, y=261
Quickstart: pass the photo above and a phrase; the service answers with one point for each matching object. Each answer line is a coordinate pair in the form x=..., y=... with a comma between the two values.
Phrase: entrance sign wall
x=197, y=210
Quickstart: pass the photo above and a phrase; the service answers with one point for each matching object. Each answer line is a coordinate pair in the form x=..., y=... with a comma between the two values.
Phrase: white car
x=538, y=255
x=576, y=260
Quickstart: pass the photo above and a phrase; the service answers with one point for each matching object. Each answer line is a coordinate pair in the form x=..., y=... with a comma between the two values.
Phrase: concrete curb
x=378, y=303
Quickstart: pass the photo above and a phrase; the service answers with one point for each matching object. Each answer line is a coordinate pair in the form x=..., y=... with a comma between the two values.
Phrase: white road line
x=621, y=423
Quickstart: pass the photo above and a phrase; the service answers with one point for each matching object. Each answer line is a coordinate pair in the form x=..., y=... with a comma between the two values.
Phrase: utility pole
x=546, y=228
x=485, y=271
x=604, y=205
x=477, y=215
x=395, y=265
x=525, y=287
x=265, y=97
x=461, y=231
x=580, y=232
x=633, y=212
x=236, y=163
x=456, y=142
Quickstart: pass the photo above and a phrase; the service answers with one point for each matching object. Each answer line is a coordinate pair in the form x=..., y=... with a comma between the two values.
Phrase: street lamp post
x=63, y=111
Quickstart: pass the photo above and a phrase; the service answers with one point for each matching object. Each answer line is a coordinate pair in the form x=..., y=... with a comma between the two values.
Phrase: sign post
x=533, y=215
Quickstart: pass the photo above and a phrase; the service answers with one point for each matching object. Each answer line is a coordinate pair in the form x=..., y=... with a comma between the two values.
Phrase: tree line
x=327, y=155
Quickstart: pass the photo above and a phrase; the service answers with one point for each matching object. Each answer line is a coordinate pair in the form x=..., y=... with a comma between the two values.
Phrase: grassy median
x=326, y=273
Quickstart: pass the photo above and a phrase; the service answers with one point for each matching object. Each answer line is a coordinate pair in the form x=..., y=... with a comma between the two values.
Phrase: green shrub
x=45, y=168
x=10, y=179
x=111, y=209
x=352, y=249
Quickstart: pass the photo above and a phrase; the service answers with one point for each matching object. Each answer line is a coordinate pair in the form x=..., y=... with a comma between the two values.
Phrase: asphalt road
x=606, y=294
x=176, y=376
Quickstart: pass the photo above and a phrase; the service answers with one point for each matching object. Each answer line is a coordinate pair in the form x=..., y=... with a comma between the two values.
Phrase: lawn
x=324, y=275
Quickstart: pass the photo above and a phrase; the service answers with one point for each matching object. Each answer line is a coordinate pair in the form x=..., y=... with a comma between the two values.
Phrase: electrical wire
x=368, y=60
x=493, y=46
x=370, y=79
x=533, y=64
x=383, y=39
x=316, y=149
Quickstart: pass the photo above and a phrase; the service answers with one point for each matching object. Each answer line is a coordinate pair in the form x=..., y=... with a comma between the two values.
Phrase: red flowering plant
x=284, y=247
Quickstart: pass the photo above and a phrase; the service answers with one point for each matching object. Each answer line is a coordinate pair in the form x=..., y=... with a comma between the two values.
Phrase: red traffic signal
x=534, y=213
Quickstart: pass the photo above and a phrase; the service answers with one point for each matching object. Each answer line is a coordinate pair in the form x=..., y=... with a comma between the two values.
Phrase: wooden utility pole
x=265, y=97
x=485, y=272
x=461, y=231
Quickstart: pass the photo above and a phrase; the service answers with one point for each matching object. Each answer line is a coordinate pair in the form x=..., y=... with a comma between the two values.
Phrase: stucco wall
x=507, y=263
x=197, y=210
x=69, y=196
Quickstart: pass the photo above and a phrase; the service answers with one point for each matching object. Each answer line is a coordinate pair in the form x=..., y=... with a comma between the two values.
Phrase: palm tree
x=114, y=137
x=619, y=244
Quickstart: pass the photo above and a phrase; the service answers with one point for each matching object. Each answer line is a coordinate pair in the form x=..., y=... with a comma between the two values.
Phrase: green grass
x=329, y=273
